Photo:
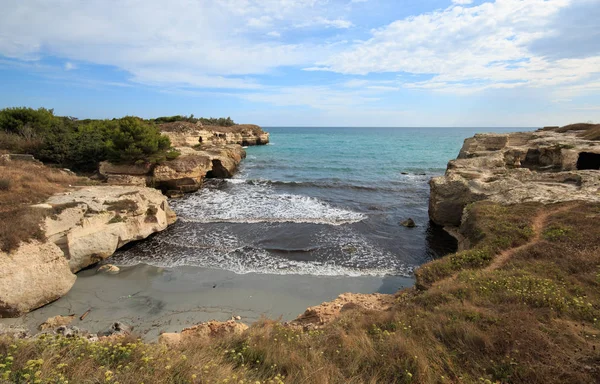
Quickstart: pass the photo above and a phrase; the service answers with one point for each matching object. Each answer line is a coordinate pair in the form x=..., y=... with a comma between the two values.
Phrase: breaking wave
x=259, y=204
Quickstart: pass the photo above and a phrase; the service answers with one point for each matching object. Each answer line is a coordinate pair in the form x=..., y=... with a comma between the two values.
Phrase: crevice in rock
x=218, y=171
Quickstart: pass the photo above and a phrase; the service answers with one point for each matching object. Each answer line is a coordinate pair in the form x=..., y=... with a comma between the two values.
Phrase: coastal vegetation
x=520, y=306
x=82, y=144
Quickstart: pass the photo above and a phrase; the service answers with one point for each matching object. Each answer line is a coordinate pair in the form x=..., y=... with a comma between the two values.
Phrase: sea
x=315, y=201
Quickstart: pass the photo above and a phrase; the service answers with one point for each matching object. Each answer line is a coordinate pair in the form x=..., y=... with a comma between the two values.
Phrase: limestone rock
x=108, y=168
x=184, y=173
x=56, y=321
x=186, y=134
x=31, y=276
x=93, y=222
x=109, y=268
x=203, y=330
x=542, y=166
x=319, y=315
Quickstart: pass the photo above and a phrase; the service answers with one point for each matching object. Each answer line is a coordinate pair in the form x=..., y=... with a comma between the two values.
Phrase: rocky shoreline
x=545, y=166
x=84, y=226
x=517, y=303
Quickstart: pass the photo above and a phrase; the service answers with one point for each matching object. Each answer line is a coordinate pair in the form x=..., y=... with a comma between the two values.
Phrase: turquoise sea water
x=318, y=201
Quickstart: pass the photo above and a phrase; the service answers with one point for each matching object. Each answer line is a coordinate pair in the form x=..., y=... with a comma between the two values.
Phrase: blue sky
x=307, y=62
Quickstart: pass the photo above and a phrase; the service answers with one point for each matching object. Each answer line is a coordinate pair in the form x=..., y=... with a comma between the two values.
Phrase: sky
x=524, y=63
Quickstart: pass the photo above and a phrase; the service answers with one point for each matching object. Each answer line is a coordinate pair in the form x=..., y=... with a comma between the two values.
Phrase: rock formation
x=317, y=316
x=548, y=166
x=81, y=227
x=184, y=134
x=90, y=224
x=213, y=152
x=32, y=276
x=203, y=330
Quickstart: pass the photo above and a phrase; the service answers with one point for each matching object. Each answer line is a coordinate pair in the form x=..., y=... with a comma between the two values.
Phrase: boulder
x=542, y=166
x=408, y=223
x=90, y=224
x=31, y=276
x=109, y=268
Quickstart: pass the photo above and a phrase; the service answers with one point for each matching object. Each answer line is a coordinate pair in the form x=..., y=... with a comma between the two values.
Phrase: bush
x=81, y=144
x=130, y=140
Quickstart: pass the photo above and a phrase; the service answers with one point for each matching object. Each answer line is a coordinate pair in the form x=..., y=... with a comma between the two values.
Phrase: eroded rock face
x=317, y=316
x=184, y=174
x=542, y=166
x=203, y=330
x=91, y=223
x=33, y=275
x=184, y=134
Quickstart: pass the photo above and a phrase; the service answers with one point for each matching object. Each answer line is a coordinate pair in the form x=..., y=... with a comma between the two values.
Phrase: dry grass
x=534, y=319
x=587, y=131
x=184, y=126
x=21, y=185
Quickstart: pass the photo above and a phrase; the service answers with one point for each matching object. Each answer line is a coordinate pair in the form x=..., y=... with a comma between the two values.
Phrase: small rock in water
x=408, y=223
x=56, y=321
x=109, y=268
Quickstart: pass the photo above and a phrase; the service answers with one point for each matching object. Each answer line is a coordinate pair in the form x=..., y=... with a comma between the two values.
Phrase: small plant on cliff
x=4, y=184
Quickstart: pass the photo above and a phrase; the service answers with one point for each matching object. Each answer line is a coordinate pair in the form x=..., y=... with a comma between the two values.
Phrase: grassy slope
x=521, y=306
x=21, y=185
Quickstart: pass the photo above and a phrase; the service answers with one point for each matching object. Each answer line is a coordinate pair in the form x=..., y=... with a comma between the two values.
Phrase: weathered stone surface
x=326, y=312
x=95, y=221
x=541, y=166
x=31, y=276
x=184, y=134
x=107, y=168
x=203, y=330
x=184, y=173
x=139, y=181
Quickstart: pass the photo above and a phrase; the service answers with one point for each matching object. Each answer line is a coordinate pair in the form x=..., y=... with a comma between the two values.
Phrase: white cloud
x=70, y=66
x=274, y=34
x=462, y=2
x=181, y=41
x=468, y=49
x=329, y=23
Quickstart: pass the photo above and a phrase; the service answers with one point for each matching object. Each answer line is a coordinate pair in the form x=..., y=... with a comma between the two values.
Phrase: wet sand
x=155, y=300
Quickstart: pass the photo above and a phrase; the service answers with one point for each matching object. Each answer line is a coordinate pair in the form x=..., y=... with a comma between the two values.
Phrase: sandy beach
x=155, y=300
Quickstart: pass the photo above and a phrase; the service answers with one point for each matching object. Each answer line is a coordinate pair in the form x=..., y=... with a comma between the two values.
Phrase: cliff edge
x=549, y=165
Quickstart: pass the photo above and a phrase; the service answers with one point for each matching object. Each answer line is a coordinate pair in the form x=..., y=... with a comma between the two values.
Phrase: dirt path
x=538, y=227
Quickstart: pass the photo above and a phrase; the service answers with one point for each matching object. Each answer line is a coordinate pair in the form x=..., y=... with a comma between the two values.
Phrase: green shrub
x=130, y=139
x=81, y=144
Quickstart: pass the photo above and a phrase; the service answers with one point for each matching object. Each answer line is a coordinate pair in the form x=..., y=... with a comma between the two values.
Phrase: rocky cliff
x=205, y=152
x=548, y=166
x=184, y=134
x=81, y=227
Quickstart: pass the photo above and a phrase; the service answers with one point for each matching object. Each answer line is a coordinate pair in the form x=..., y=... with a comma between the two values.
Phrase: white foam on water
x=220, y=249
x=236, y=181
x=259, y=204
